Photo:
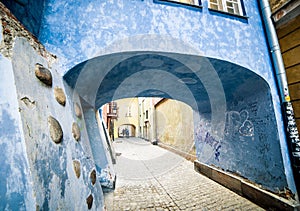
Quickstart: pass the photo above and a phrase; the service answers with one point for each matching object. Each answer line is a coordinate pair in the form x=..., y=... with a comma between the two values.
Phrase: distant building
x=127, y=122
x=147, y=118
x=109, y=115
x=167, y=122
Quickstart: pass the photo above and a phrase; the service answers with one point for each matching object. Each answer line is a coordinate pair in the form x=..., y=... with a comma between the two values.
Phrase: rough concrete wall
x=29, y=12
x=174, y=125
x=41, y=172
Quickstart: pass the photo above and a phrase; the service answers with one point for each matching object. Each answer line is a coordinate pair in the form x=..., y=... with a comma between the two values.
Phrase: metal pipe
x=292, y=134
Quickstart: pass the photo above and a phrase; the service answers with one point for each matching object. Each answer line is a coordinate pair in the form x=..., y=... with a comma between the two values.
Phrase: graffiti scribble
x=211, y=141
x=217, y=153
x=238, y=123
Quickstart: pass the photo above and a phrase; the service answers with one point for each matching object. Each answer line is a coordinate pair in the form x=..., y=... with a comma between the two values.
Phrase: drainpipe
x=292, y=134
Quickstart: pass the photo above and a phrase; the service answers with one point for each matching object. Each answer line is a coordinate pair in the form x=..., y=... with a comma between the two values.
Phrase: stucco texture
x=175, y=125
x=55, y=184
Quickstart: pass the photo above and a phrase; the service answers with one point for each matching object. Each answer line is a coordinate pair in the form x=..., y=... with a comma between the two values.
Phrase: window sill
x=228, y=13
x=179, y=3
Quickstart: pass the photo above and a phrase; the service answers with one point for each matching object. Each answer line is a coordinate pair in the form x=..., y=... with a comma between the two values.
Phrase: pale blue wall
x=92, y=29
x=80, y=30
x=16, y=191
x=37, y=173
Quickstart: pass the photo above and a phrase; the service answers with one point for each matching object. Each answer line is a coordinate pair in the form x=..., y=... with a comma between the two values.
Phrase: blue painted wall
x=16, y=191
x=100, y=42
x=36, y=173
x=90, y=30
x=28, y=12
x=77, y=31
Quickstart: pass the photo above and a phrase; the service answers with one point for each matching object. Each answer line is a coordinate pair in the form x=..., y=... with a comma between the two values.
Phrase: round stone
x=43, y=74
x=77, y=110
x=60, y=96
x=75, y=131
x=56, y=132
x=89, y=201
x=93, y=176
x=76, y=166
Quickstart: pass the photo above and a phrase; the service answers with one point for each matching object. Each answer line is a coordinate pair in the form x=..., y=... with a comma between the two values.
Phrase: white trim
x=222, y=6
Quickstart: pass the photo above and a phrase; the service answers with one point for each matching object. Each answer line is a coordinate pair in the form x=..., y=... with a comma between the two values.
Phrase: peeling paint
x=16, y=191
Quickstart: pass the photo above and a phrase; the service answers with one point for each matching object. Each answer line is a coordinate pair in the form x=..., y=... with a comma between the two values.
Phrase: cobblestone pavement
x=151, y=178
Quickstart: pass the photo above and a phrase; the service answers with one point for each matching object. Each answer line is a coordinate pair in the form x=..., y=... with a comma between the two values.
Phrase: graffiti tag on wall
x=205, y=138
x=238, y=127
x=216, y=145
x=238, y=123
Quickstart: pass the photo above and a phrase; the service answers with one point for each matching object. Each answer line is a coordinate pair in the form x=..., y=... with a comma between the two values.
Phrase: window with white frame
x=230, y=6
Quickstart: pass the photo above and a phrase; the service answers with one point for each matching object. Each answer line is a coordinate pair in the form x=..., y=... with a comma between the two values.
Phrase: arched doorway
x=126, y=130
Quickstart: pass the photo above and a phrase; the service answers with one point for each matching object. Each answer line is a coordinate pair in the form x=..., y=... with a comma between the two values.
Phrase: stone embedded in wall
x=75, y=131
x=76, y=166
x=56, y=131
x=43, y=74
x=60, y=96
x=89, y=201
x=77, y=110
x=93, y=176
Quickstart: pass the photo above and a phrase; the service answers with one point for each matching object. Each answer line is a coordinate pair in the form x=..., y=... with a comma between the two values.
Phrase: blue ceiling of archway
x=168, y=75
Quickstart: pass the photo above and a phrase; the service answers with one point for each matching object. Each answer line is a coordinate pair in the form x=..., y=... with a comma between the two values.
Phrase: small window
x=128, y=114
x=230, y=6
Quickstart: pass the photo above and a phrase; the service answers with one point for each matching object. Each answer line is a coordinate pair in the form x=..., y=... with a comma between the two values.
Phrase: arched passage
x=126, y=130
x=235, y=125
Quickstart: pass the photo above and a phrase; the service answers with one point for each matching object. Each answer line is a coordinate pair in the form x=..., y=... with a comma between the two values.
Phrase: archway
x=232, y=105
x=126, y=130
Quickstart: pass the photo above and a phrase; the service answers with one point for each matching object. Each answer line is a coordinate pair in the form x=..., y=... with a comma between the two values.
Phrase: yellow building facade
x=174, y=125
x=126, y=125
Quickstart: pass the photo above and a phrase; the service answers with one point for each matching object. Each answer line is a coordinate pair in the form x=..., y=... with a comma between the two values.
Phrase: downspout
x=292, y=134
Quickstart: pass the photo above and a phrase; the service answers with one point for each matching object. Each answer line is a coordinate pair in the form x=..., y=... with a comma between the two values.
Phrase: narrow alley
x=152, y=178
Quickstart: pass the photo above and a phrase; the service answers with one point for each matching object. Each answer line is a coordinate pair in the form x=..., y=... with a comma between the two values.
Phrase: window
x=128, y=114
x=230, y=6
x=147, y=114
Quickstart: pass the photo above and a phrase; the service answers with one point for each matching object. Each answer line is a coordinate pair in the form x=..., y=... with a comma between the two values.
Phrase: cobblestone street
x=151, y=178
